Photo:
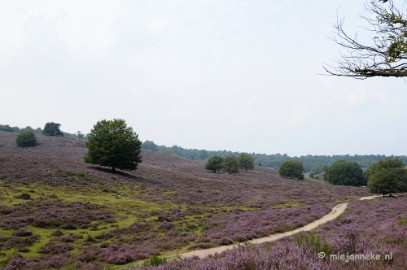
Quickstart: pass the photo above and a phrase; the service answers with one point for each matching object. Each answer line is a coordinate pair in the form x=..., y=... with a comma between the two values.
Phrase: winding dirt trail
x=335, y=212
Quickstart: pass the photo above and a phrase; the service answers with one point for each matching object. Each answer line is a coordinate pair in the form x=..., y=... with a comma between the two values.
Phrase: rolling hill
x=57, y=211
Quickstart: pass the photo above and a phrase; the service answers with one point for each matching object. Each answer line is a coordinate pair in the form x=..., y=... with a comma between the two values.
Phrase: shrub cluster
x=387, y=176
x=292, y=169
x=230, y=164
x=347, y=173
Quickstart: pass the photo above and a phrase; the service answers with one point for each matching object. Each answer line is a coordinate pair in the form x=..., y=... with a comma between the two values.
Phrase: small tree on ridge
x=52, y=129
x=214, y=164
x=292, y=169
x=246, y=161
x=231, y=165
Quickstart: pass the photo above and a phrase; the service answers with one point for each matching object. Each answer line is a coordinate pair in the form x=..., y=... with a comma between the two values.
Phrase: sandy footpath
x=335, y=212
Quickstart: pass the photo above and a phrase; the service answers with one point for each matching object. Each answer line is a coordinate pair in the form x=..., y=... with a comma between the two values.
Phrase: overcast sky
x=208, y=74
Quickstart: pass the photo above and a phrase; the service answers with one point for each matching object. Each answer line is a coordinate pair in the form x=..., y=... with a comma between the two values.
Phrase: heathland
x=58, y=212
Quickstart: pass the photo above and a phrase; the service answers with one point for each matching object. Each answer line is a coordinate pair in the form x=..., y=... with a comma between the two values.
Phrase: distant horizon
x=235, y=151
x=259, y=153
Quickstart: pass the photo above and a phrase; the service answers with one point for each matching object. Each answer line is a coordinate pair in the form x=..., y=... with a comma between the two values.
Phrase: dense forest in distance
x=312, y=163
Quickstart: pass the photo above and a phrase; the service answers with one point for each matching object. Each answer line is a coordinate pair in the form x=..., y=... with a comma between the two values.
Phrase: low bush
x=22, y=232
x=26, y=138
x=155, y=260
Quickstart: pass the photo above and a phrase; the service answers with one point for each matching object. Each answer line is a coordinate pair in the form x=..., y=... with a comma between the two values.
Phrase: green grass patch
x=242, y=208
x=314, y=241
x=402, y=221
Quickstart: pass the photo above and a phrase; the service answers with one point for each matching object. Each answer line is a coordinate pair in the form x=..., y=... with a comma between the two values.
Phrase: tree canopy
x=387, y=176
x=231, y=165
x=343, y=172
x=293, y=169
x=52, y=129
x=385, y=55
x=246, y=161
x=214, y=164
x=111, y=143
x=26, y=138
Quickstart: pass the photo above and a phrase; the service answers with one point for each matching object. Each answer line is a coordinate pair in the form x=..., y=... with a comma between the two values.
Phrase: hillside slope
x=87, y=215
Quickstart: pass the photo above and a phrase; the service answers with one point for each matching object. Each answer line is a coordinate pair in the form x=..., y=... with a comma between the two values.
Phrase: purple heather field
x=56, y=212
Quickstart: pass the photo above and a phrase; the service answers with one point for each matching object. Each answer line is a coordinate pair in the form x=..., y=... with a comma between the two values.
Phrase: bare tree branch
x=386, y=56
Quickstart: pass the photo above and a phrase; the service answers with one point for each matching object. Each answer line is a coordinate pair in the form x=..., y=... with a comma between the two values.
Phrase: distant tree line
x=8, y=128
x=230, y=164
x=312, y=163
x=50, y=129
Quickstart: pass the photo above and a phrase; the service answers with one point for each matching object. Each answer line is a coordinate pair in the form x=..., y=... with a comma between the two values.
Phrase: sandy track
x=335, y=212
x=370, y=197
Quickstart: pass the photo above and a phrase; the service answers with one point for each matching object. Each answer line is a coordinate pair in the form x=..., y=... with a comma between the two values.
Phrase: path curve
x=335, y=212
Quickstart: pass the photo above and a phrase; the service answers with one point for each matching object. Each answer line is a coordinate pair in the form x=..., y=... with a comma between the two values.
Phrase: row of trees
x=312, y=163
x=230, y=164
x=384, y=177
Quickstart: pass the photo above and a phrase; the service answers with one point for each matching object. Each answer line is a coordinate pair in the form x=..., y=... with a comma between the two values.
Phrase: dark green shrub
x=387, y=176
x=344, y=172
x=231, y=165
x=52, y=129
x=26, y=138
x=292, y=169
x=155, y=260
x=246, y=161
x=214, y=164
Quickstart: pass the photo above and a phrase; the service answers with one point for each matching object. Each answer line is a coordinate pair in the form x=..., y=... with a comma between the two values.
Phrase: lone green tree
x=231, y=165
x=387, y=176
x=344, y=172
x=111, y=143
x=246, y=161
x=214, y=164
x=52, y=129
x=26, y=138
x=293, y=169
